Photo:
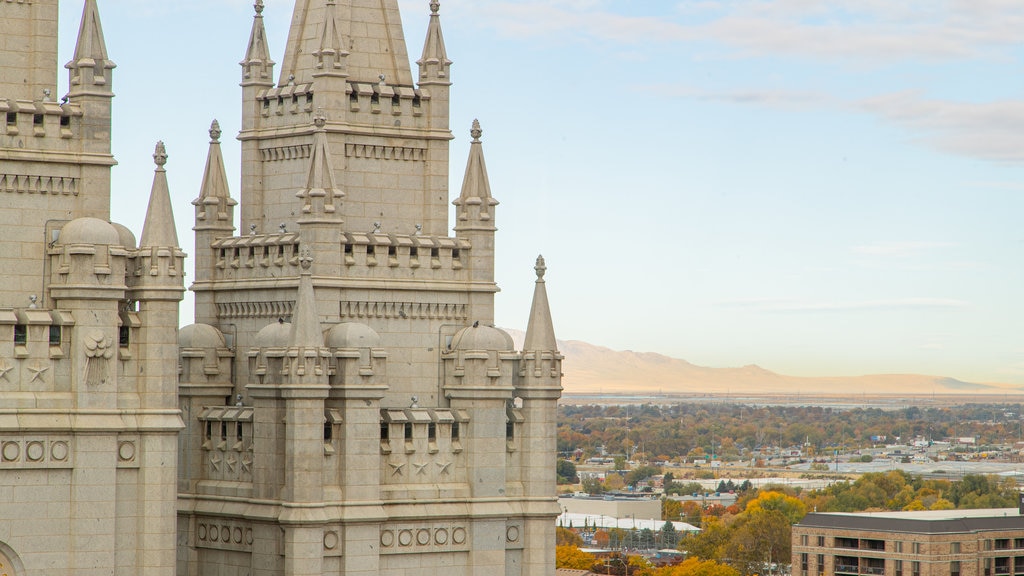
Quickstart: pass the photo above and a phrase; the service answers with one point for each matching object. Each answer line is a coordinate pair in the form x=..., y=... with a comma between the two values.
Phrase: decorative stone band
x=36, y=452
x=33, y=184
x=414, y=310
x=424, y=538
x=223, y=534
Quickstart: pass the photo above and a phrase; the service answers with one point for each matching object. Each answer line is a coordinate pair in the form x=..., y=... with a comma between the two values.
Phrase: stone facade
x=88, y=410
x=342, y=403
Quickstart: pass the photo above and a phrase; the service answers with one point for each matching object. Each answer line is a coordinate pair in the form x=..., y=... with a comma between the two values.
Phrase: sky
x=818, y=187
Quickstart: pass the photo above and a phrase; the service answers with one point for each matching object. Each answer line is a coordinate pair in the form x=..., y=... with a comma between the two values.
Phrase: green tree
x=669, y=535
x=566, y=472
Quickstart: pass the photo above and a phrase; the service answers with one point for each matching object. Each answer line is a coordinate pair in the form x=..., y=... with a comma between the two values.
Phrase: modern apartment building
x=987, y=542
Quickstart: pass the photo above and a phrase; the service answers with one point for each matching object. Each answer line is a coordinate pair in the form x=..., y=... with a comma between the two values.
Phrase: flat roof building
x=986, y=542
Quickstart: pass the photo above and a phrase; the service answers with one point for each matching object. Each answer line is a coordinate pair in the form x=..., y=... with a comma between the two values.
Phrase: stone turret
x=435, y=69
x=539, y=387
x=214, y=218
x=91, y=81
x=257, y=67
x=474, y=220
x=158, y=285
x=91, y=71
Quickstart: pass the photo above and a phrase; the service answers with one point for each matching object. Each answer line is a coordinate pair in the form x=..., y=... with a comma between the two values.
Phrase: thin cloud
x=987, y=130
x=875, y=31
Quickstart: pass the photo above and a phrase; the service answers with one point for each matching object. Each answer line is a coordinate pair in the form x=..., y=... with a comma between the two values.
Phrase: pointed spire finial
x=160, y=155
x=258, y=6
x=476, y=132
x=319, y=119
x=541, y=268
x=434, y=6
x=215, y=132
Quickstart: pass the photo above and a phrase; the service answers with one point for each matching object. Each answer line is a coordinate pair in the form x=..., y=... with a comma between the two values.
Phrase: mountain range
x=592, y=369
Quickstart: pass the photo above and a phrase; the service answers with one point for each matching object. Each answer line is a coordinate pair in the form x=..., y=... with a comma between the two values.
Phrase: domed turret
x=200, y=336
x=89, y=231
x=127, y=238
x=480, y=337
x=351, y=335
x=276, y=335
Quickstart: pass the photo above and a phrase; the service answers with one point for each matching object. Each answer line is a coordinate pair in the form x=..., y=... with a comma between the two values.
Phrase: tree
x=696, y=567
x=567, y=537
x=620, y=463
x=573, y=558
x=669, y=535
x=642, y=473
x=760, y=540
x=566, y=472
x=613, y=482
x=790, y=507
x=709, y=543
x=671, y=509
x=592, y=485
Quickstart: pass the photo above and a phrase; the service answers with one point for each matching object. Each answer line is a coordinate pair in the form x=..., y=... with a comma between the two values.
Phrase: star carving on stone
x=37, y=372
x=215, y=461
x=443, y=468
x=396, y=469
x=246, y=464
x=230, y=461
x=420, y=468
x=4, y=370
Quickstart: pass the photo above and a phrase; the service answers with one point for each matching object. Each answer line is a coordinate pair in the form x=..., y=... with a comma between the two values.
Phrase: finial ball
x=476, y=132
x=215, y=131
x=540, y=267
x=160, y=154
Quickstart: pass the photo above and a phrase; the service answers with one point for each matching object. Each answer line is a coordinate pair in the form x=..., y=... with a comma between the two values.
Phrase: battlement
x=371, y=256
x=363, y=99
x=40, y=118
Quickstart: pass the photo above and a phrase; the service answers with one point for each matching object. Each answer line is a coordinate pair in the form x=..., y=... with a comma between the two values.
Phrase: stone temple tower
x=349, y=407
x=88, y=316
x=342, y=403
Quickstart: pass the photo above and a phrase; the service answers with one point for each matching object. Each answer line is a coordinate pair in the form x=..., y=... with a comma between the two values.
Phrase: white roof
x=602, y=521
x=936, y=514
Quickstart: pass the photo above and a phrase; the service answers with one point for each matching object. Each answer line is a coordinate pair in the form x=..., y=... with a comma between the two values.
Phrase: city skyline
x=823, y=189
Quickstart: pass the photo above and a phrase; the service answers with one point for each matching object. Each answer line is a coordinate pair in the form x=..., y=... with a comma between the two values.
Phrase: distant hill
x=591, y=369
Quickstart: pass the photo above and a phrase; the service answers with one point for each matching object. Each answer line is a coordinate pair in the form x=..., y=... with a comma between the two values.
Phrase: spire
x=373, y=29
x=321, y=196
x=540, y=332
x=213, y=207
x=331, y=56
x=158, y=230
x=475, y=203
x=434, y=64
x=90, y=67
x=257, y=67
x=306, y=331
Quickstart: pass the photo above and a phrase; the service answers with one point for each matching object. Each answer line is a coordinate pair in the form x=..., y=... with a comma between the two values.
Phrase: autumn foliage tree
x=574, y=558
